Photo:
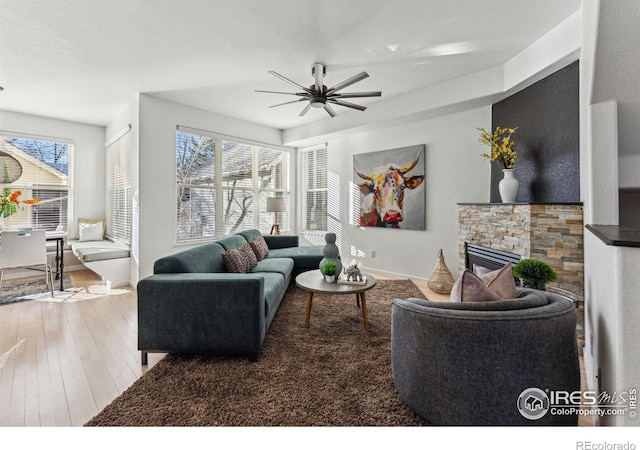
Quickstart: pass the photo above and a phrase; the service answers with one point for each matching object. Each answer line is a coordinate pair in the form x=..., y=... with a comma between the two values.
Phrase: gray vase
x=331, y=252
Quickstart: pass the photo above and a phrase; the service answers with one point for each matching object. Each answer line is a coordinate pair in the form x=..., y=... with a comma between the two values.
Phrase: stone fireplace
x=551, y=232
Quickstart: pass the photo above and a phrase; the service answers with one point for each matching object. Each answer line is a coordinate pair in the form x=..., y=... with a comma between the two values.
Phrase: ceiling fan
x=319, y=96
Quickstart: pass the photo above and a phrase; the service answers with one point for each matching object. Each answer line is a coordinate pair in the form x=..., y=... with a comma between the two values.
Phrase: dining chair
x=24, y=249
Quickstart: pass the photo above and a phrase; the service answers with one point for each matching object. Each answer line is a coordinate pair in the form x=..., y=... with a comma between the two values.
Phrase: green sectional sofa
x=193, y=304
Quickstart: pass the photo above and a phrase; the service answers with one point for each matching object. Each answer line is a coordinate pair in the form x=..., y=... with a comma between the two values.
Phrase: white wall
x=88, y=157
x=609, y=76
x=157, y=162
x=611, y=334
x=455, y=172
x=629, y=171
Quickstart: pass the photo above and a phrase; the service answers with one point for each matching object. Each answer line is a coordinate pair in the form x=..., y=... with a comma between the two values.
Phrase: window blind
x=45, y=176
x=119, y=208
x=314, y=188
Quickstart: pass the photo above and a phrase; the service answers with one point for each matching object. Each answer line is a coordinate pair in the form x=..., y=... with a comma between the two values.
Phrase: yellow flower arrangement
x=10, y=201
x=502, y=146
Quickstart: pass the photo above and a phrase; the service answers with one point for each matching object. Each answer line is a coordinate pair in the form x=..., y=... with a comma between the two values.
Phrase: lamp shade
x=10, y=168
x=275, y=204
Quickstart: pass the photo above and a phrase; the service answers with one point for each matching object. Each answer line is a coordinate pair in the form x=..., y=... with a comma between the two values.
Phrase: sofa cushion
x=274, y=288
x=232, y=242
x=306, y=257
x=283, y=266
x=260, y=248
x=251, y=235
x=204, y=258
x=240, y=260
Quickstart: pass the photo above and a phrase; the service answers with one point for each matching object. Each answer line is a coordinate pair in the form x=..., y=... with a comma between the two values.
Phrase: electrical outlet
x=373, y=253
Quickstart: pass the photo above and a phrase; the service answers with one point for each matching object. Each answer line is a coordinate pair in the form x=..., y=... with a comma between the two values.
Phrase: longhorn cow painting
x=392, y=192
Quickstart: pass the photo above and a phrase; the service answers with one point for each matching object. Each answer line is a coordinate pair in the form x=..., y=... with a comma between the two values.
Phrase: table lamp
x=275, y=205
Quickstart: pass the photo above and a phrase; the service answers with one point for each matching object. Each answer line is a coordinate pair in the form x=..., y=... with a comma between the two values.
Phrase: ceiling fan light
x=317, y=102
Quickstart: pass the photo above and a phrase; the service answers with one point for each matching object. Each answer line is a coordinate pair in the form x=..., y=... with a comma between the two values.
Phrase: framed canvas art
x=392, y=192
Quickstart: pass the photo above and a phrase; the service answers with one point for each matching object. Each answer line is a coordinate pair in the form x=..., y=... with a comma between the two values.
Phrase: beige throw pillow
x=492, y=286
x=470, y=288
x=501, y=281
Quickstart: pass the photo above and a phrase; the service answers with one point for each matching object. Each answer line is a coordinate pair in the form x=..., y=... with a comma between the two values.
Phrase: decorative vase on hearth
x=508, y=186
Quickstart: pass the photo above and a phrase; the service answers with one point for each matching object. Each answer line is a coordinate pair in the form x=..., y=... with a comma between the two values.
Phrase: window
x=314, y=188
x=223, y=184
x=119, y=188
x=45, y=175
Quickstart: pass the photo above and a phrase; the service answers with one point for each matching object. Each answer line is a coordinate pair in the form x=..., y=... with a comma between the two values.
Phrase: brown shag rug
x=333, y=373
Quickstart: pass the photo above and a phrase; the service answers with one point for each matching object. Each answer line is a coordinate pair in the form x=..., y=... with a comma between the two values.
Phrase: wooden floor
x=62, y=361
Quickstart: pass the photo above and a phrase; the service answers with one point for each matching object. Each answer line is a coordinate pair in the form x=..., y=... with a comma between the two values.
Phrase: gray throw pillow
x=240, y=260
x=260, y=248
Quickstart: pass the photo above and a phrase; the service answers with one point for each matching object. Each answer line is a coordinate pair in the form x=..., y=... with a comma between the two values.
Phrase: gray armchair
x=469, y=363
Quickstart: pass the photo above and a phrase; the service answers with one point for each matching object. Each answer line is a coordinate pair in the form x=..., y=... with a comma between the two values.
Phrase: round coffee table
x=313, y=282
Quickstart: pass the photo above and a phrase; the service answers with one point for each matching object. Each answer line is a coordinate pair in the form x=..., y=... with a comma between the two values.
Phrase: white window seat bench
x=106, y=258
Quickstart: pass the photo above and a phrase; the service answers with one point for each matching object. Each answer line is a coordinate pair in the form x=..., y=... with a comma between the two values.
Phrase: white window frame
x=217, y=186
x=33, y=184
x=320, y=161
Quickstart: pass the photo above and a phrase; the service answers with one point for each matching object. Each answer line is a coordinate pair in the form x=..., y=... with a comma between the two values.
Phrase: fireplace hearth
x=550, y=232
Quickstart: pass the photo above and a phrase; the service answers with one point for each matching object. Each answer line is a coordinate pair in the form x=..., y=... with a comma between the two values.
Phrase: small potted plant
x=534, y=273
x=329, y=271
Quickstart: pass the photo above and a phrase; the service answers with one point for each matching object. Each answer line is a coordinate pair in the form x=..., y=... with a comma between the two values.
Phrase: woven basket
x=441, y=280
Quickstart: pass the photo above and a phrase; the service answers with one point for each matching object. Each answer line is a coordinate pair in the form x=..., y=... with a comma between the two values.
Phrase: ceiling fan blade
x=361, y=76
x=301, y=94
x=356, y=94
x=288, y=103
x=347, y=104
x=305, y=110
x=318, y=73
x=291, y=82
x=330, y=110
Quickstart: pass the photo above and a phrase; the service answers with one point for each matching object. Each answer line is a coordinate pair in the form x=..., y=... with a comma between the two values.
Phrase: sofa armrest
x=275, y=241
x=201, y=312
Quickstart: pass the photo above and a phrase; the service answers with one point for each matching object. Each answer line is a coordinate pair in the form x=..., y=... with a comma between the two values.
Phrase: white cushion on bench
x=88, y=251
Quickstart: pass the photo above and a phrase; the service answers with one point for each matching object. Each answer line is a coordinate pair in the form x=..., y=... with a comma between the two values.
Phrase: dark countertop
x=616, y=235
x=521, y=203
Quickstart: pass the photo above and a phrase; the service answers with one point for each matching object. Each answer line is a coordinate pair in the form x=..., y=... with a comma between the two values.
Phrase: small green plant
x=329, y=268
x=534, y=272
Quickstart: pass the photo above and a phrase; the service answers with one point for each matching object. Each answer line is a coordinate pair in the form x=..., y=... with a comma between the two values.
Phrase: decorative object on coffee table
x=329, y=271
x=353, y=273
x=331, y=252
x=534, y=273
x=441, y=279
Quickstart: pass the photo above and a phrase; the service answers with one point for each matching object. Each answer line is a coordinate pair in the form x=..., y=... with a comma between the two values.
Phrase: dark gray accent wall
x=548, y=138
